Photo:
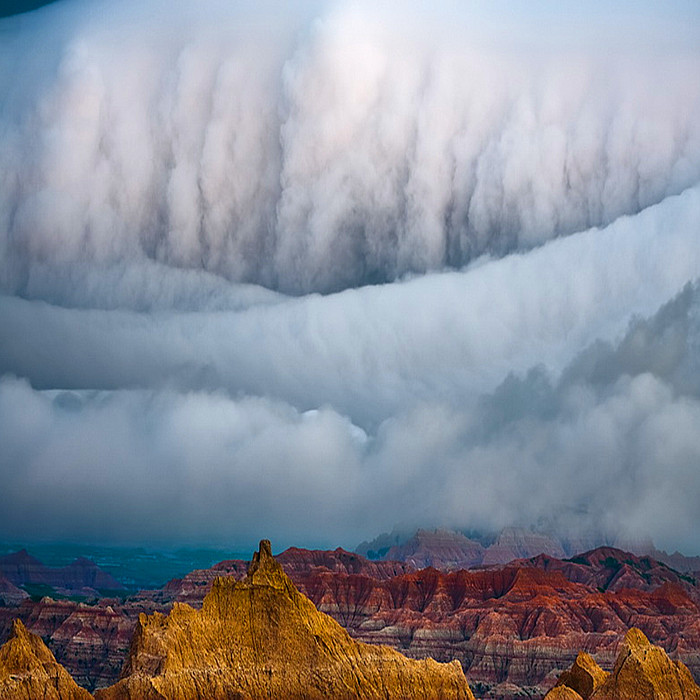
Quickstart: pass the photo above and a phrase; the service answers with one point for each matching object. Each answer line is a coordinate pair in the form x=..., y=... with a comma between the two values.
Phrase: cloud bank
x=318, y=146
x=197, y=199
x=612, y=443
x=458, y=399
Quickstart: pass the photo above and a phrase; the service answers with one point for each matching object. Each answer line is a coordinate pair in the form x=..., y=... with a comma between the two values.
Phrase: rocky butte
x=261, y=638
x=29, y=671
x=641, y=670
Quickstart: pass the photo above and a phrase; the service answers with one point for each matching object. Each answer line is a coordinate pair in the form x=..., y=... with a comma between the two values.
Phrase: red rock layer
x=611, y=569
x=297, y=564
x=510, y=625
x=302, y=561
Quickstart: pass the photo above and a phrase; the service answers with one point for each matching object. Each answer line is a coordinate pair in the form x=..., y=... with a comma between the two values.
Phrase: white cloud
x=171, y=466
x=319, y=146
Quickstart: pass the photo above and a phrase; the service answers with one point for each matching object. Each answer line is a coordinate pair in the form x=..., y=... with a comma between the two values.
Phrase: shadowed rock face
x=28, y=670
x=261, y=638
x=641, y=671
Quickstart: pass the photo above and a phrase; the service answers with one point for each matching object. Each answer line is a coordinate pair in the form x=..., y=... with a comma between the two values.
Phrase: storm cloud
x=199, y=201
x=316, y=146
x=611, y=443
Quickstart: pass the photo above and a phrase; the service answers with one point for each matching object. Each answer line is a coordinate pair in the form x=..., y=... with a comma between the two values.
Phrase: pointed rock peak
x=18, y=629
x=20, y=634
x=262, y=556
x=24, y=648
x=29, y=670
x=20, y=557
x=635, y=640
x=265, y=570
x=587, y=663
x=643, y=670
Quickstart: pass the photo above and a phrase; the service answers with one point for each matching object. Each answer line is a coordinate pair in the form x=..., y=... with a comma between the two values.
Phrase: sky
x=315, y=270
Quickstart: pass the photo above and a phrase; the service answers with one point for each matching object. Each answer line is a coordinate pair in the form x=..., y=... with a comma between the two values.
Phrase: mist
x=309, y=270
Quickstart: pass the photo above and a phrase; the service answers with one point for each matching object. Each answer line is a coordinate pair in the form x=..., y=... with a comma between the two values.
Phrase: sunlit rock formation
x=642, y=670
x=260, y=638
x=29, y=671
x=582, y=679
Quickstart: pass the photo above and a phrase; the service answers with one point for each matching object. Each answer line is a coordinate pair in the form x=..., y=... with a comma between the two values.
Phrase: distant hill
x=450, y=550
x=135, y=567
x=80, y=576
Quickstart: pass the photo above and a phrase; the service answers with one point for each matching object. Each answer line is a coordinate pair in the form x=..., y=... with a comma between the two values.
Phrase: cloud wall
x=367, y=351
x=459, y=398
x=319, y=146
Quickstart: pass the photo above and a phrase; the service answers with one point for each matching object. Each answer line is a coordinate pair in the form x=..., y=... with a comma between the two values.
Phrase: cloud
x=619, y=456
x=195, y=202
x=459, y=399
x=369, y=351
x=327, y=145
x=172, y=467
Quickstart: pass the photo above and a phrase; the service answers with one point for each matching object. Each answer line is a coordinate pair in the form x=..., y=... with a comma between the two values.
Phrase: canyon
x=513, y=628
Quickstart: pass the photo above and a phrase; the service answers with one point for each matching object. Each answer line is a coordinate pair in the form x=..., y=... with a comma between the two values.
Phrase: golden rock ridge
x=29, y=671
x=642, y=670
x=261, y=638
